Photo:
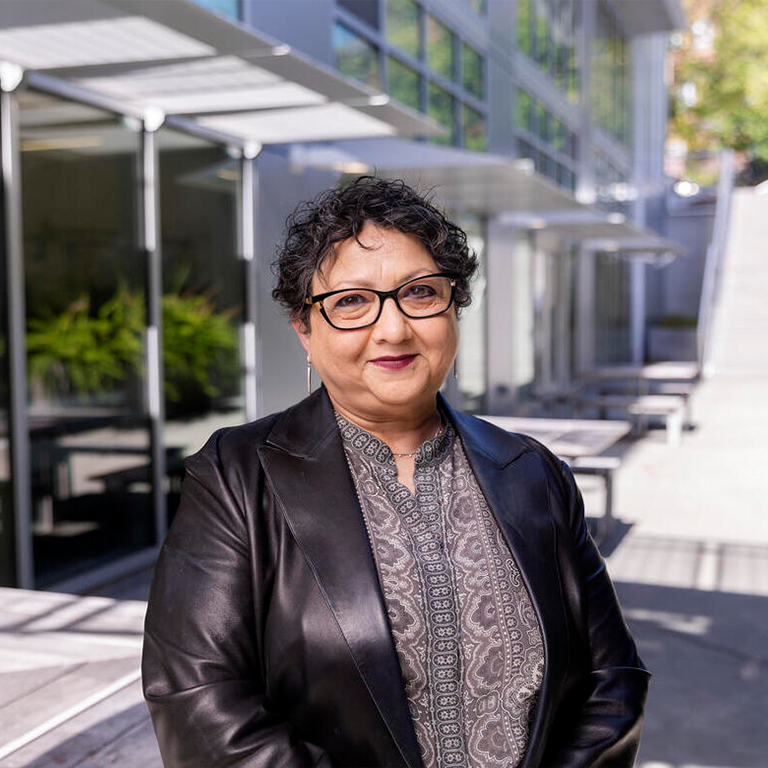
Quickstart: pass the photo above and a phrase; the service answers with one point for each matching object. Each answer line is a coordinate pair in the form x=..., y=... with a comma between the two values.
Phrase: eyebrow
x=345, y=285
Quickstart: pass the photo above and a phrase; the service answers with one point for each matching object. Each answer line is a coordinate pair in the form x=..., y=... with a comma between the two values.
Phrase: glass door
x=85, y=303
x=203, y=296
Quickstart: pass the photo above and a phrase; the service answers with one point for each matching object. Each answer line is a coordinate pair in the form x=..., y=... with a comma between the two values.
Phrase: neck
x=402, y=435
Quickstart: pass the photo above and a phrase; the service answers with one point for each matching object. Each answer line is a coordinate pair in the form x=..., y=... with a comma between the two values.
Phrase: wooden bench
x=669, y=407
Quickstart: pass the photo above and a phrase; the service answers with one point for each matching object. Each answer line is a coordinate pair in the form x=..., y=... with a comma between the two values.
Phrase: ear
x=302, y=331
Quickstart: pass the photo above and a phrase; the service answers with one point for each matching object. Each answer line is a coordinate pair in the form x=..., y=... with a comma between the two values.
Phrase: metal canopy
x=505, y=188
x=176, y=58
x=641, y=17
x=464, y=181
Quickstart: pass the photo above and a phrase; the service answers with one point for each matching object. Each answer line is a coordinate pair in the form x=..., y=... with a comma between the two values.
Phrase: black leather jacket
x=267, y=641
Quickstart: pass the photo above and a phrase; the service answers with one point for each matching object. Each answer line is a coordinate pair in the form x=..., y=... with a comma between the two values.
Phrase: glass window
x=542, y=122
x=91, y=473
x=611, y=80
x=525, y=114
x=365, y=10
x=440, y=48
x=524, y=24
x=441, y=109
x=404, y=83
x=202, y=294
x=356, y=57
x=558, y=134
x=472, y=70
x=473, y=128
x=543, y=35
x=403, y=26
x=229, y=8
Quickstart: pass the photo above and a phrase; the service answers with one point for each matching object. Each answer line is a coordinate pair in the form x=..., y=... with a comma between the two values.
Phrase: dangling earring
x=456, y=367
x=309, y=376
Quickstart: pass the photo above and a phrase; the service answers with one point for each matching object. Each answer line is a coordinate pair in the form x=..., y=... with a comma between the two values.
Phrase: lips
x=394, y=363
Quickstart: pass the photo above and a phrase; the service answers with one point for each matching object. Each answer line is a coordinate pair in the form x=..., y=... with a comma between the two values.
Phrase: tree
x=721, y=73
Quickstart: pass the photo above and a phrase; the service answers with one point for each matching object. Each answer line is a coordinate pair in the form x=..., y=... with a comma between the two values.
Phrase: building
x=150, y=153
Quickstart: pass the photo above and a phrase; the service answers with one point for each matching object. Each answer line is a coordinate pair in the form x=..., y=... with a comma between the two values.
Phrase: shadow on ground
x=708, y=652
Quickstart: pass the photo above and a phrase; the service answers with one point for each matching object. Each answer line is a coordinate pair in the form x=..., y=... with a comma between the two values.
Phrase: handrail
x=710, y=287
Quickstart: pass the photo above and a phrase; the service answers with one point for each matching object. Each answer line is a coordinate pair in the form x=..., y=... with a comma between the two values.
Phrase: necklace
x=413, y=453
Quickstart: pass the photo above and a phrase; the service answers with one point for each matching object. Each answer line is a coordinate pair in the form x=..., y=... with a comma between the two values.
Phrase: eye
x=419, y=291
x=350, y=301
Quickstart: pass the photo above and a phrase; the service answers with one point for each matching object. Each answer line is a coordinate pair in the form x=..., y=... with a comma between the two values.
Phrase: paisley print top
x=464, y=628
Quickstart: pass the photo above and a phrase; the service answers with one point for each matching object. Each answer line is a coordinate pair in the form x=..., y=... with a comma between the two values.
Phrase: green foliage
x=200, y=351
x=79, y=352
x=731, y=108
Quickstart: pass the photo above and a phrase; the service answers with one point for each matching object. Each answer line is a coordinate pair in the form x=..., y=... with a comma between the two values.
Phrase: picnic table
x=569, y=438
x=579, y=442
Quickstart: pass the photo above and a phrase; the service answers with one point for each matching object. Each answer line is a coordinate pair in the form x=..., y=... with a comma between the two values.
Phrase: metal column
x=247, y=217
x=149, y=242
x=12, y=244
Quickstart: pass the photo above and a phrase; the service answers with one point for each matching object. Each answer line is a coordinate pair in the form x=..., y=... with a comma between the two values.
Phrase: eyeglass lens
x=358, y=307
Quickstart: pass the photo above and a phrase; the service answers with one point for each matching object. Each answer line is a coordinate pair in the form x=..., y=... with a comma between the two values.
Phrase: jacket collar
x=302, y=429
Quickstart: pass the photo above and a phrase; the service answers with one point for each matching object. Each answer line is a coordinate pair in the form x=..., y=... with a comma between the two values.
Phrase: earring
x=309, y=376
x=456, y=367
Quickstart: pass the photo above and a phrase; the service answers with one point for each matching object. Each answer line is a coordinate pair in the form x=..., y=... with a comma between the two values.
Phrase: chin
x=403, y=393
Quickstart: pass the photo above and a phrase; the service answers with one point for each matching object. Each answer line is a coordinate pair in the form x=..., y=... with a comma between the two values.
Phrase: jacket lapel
x=513, y=482
x=309, y=475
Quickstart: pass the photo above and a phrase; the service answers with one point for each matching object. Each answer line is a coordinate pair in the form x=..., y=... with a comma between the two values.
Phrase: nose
x=392, y=326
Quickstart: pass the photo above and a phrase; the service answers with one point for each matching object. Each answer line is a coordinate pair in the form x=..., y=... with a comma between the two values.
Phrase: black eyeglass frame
x=383, y=296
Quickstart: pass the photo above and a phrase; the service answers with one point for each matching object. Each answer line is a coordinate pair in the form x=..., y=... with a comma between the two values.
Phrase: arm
x=599, y=725
x=201, y=667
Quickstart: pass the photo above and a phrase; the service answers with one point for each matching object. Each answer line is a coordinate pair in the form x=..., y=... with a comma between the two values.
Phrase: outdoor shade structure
x=103, y=98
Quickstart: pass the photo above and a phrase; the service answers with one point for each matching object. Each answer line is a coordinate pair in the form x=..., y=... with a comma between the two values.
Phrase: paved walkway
x=690, y=562
x=689, y=558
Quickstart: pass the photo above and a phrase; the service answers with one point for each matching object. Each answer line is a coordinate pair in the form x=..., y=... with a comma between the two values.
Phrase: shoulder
x=504, y=447
x=234, y=445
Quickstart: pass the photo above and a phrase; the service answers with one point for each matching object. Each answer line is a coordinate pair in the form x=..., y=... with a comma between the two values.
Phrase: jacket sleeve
x=202, y=674
x=599, y=724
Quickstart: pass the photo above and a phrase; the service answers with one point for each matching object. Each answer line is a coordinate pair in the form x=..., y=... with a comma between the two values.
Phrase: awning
x=641, y=17
x=506, y=189
x=172, y=57
x=464, y=181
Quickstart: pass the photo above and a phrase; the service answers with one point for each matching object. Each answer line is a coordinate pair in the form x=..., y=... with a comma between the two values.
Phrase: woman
x=371, y=578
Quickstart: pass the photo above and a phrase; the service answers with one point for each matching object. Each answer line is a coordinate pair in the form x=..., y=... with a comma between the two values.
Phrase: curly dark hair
x=338, y=214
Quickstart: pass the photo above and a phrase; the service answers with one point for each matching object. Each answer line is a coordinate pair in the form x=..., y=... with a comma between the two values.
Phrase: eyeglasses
x=353, y=308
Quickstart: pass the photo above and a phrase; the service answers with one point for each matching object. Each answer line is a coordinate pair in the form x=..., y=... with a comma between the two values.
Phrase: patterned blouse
x=464, y=629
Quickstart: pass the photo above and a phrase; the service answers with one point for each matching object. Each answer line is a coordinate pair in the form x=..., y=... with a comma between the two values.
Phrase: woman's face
x=357, y=366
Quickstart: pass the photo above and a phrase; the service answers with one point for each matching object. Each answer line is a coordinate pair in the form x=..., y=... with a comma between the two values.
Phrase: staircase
x=740, y=333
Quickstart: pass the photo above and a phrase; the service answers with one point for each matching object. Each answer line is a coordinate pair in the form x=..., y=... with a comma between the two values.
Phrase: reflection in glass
x=472, y=70
x=473, y=127
x=440, y=48
x=404, y=83
x=403, y=26
x=85, y=277
x=441, y=109
x=356, y=57
x=203, y=296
